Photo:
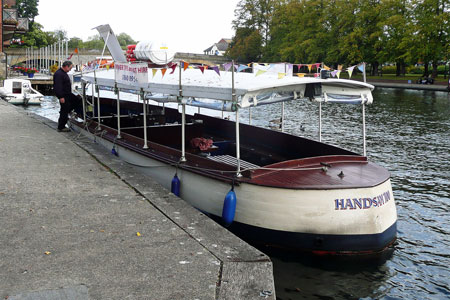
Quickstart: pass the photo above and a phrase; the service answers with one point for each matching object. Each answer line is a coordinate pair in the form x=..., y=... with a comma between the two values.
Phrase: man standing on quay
x=63, y=90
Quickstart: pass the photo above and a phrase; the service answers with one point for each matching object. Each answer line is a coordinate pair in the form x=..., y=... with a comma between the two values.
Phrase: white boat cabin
x=20, y=91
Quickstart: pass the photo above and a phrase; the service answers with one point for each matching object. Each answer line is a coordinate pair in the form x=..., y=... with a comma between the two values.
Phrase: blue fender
x=175, y=187
x=229, y=207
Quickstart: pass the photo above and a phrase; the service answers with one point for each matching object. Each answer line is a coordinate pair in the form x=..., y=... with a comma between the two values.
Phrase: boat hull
x=21, y=101
x=335, y=221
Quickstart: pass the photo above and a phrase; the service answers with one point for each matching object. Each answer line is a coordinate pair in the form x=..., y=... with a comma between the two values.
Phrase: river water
x=408, y=132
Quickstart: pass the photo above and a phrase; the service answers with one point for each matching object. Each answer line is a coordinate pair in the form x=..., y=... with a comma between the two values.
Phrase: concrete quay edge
x=244, y=272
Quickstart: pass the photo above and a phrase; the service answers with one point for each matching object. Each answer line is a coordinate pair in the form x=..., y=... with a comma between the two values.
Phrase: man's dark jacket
x=61, y=84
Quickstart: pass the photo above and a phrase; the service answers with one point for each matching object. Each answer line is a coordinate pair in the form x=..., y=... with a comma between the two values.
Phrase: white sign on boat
x=132, y=74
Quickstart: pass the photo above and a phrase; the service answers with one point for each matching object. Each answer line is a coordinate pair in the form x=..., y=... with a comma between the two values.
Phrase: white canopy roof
x=249, y=89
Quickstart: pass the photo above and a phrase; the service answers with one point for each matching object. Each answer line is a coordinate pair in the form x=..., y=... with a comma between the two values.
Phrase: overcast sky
x=185, y=25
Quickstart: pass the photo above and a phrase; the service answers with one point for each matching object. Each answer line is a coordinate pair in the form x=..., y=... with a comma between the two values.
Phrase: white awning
x=250, y=90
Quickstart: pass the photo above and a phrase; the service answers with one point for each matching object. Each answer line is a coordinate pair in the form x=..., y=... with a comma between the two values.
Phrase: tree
x=94, y=42
x=432, y=30
x=245, y=45
x=253, y=17
x=35, y=37
x=367, y=32
x=124, y=39
x=61, y=35
x=75, y=43
x=396, y=40
x=27, y=9
x=295, y=32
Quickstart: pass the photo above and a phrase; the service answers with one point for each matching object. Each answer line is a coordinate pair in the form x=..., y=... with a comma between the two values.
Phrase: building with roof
x=218, y=48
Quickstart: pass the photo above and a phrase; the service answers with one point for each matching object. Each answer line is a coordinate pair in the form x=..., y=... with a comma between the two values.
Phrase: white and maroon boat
x=276, y=188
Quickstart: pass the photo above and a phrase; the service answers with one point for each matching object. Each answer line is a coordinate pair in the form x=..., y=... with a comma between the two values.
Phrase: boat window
x=17, y=87
x=26, y=88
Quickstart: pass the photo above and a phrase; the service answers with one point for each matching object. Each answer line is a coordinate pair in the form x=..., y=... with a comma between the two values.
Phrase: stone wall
x=3, y=66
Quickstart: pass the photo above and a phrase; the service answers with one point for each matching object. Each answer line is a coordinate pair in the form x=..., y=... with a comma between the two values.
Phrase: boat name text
x=362, y=203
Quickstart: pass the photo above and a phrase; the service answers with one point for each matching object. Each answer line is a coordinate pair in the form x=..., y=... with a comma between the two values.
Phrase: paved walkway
x=77, y=223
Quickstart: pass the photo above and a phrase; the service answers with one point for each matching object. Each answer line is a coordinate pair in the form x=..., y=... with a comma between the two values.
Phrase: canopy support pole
x=364, y=127
x=183, y=133
x=249, y=116
x=238, y=142
x=183, y=119
x=238, y=146
x=145, y=118
x=117, y=90
x=83, y=86
x=364, y=112
x=320, y=121
x=98, y=107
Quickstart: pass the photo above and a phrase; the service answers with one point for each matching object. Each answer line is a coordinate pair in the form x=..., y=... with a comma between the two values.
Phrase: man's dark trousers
x=70, y=102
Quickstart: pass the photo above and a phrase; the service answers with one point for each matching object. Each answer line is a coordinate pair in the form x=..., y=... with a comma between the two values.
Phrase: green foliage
x=75, y=43
x=60, y=35
x=94, y=42
x=246, y=45
x=124, y=39
x=345, y=32
x=389, y=70
x=27, y=9
x=35, y=37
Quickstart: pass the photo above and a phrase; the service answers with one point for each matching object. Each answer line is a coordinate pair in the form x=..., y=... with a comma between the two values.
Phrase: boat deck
x=268, y=158
x=325, y=172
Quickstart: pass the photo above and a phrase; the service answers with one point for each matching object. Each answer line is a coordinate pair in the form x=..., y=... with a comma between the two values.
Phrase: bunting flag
x=340, y=67
x=301, y=75
x=107, y=67
x=227, y=66
x=242, y=68
x=173, y=68
x=281, y=75
x=361, y=67
x=338, y=74
x=76, y=50
x=260, y=72
x=184, y=65
x=326, y=68
x=216, y=69
x=202, y=68
x=163, y=71
x=334, y=73
x=309, y=68
x=154, y=71
x=350, y=71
